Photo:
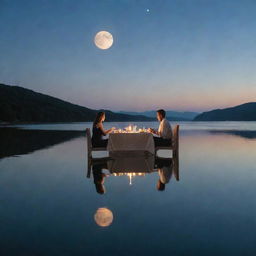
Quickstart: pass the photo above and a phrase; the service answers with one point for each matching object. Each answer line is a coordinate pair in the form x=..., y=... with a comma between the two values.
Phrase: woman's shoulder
x=97, y=126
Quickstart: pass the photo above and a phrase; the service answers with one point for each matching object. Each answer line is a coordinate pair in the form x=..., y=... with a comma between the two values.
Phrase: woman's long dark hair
x=98, y=118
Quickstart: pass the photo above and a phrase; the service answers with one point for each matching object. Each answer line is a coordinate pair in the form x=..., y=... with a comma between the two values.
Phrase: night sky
x=190, y=55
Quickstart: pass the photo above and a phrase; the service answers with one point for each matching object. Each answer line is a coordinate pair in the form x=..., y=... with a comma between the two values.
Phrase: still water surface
x=50, y=207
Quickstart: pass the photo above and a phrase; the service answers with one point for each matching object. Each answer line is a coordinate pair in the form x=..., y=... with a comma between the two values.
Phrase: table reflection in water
x=132, y=166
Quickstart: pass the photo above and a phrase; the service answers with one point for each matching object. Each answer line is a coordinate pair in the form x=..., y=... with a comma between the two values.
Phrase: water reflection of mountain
x=244, y=134
x=247, y=134
x=19, y=142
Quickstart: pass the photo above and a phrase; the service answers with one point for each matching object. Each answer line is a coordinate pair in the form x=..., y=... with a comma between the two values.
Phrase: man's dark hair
x=161, y=112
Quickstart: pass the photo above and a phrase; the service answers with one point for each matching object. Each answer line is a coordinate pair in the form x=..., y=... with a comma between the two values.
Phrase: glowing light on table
x=131, y=129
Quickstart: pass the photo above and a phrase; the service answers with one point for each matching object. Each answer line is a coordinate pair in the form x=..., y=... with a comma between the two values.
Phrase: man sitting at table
x=164, y=131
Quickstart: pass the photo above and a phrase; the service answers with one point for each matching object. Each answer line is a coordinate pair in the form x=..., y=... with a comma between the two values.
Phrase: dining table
x=131, y=142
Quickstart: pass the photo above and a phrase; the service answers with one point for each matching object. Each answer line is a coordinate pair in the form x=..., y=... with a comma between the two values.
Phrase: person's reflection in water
x=165, y=171
x=99, y=176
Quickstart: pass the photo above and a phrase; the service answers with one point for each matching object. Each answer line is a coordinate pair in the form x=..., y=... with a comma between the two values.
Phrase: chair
x=90, y=148
x=175, y=143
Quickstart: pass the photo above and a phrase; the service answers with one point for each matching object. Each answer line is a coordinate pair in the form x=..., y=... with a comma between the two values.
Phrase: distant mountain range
x=21, y=105
x=171, y=115
x=244, y=112
x=18, y=104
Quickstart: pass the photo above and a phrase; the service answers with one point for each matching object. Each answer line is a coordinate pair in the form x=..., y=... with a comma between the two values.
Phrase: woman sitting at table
x=98, y=131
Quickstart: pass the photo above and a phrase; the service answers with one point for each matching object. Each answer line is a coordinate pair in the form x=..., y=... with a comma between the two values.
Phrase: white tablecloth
x=131, y=142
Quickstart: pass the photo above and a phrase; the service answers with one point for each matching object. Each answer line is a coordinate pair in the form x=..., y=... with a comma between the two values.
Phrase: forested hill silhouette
x=244, y=112
x=18, y=104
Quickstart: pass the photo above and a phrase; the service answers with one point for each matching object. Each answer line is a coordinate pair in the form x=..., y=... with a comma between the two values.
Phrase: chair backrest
x=89, y=139
x=175, y=138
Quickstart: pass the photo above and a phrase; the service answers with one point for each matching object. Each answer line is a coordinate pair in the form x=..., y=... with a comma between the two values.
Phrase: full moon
x=103, y=217
x=103, y=40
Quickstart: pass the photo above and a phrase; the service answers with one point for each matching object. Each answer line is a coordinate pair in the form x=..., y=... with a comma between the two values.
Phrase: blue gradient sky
x=183, y=55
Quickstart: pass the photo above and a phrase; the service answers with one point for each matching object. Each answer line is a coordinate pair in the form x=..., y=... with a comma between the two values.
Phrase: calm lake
x=49, y=206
